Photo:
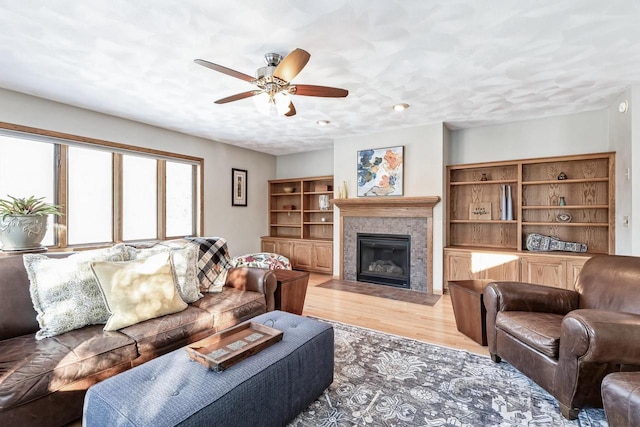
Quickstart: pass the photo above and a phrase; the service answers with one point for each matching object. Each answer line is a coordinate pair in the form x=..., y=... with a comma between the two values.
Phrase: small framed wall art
x=238, y=187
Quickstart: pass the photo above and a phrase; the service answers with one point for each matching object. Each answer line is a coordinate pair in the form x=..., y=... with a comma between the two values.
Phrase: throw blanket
x=213, y=259
x=213, y=262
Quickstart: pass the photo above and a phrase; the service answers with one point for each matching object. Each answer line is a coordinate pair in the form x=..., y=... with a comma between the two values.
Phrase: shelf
x=507, y=181
x=319, y=210
x=286, y=194
x=318, y=223
x=568, y=224
x=318, y=192
x=285, y=211
x=286, y=225
x=493, y=221
x=565, y=181
x=566, y=207
x=535, y=192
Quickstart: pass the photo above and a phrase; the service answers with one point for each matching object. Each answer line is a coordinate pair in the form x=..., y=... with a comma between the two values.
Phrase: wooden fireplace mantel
x=387, y=206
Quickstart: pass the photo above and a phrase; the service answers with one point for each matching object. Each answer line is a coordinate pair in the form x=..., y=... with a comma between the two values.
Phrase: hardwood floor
x=435, y=325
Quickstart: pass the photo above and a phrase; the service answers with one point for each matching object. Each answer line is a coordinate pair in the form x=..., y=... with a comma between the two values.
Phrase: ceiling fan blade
x=238, y=96
x=224, y=70
x=292, y=110
x=312, y=90
x=291, y=65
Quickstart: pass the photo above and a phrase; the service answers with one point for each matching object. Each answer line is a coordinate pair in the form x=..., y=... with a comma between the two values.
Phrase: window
x=109, y=192
x=90, y=201
x=139, y=201
x=179, y=210
x=27, y=169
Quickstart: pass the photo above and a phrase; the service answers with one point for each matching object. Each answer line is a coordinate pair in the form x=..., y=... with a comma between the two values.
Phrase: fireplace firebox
x=384, y=259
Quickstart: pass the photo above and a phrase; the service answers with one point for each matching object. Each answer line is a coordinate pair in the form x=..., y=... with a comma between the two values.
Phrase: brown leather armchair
x=567, y=341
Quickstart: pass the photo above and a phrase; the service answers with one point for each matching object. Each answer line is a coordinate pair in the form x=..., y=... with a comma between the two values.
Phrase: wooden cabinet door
x=457, y=265
x=496, y=266
x=269, y=246
x=323, y=257
x=285, y=248
x=549, y=271
x=302, y=255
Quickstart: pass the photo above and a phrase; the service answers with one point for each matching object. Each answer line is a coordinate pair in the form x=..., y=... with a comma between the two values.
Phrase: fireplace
x=412, y=216
x=384, y=259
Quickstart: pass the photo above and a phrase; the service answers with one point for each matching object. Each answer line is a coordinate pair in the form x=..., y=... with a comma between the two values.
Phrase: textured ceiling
x=463, y=62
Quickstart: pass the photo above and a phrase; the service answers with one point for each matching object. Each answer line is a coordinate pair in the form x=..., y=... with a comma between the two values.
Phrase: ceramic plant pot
x=21, y=232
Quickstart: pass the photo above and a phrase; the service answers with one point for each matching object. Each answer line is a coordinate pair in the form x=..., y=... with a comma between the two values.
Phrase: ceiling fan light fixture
x=400, y=107
x=276, y=105
x=282, y=102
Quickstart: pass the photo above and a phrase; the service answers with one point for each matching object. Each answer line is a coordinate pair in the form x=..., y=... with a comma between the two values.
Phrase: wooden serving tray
x=226, y=348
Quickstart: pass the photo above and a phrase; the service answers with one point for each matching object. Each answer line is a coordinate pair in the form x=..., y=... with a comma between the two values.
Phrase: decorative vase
x=509, y=204
x=22, y=232
x=503, y=203
x=323, y=202
x=345, y=194
x=562, y=202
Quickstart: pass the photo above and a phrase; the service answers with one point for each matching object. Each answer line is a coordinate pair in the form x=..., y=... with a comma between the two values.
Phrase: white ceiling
x=463, y=62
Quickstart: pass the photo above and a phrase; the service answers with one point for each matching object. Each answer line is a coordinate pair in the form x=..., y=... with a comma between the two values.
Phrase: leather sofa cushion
x=538, y=330
x=161, y=332
x=31, y=369
x=232, y=306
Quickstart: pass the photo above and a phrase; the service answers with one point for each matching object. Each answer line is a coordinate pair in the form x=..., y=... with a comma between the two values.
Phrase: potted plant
x=23, y=222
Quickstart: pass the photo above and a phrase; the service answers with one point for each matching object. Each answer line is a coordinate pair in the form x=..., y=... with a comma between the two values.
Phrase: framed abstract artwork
x=380, y=172
x=238, y=187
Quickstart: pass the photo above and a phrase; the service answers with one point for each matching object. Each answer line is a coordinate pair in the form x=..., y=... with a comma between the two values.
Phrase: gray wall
x=553, y=136
x=241, y=226
x=311, y=163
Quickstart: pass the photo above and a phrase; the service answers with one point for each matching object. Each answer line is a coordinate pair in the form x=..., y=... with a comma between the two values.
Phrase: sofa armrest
x=254, y=279
x=601, y=336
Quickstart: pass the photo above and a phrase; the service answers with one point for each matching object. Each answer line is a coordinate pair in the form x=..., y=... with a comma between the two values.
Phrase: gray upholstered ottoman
x=267, y=389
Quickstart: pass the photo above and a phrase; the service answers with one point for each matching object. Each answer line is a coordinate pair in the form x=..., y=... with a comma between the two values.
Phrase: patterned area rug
x=385, y=380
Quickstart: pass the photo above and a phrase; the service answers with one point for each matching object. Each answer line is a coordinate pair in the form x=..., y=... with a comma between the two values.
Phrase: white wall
x=553, y=136
x=635, y=161
x=423, y=176
x=620, y=142
x=241, y=226
x=311, y=163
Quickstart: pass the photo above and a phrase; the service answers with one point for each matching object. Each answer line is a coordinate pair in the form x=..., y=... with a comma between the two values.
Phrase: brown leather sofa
x=567, y=341
x=621, y=399
x=43, y=383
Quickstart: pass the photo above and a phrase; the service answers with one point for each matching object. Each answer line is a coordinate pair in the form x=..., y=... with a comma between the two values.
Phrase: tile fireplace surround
x=395, y=215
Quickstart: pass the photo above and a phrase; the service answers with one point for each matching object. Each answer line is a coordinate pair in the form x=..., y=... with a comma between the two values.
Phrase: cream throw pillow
x=138, y=290
x=183, y=261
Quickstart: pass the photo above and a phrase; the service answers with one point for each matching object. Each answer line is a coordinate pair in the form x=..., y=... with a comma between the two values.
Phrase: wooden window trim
x=62, y=140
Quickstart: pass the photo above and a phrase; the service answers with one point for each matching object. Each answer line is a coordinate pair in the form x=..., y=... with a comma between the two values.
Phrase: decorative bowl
x=288, y=189
x=563, y=217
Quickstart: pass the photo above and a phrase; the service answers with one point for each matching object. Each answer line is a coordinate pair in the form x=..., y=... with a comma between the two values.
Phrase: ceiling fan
x=274, y=82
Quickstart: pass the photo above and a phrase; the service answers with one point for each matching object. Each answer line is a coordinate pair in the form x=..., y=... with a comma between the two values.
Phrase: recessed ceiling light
x=400, y=107
x=323, y=122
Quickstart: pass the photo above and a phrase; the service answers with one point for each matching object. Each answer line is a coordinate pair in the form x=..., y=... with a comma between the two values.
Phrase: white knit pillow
x=64, y=291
